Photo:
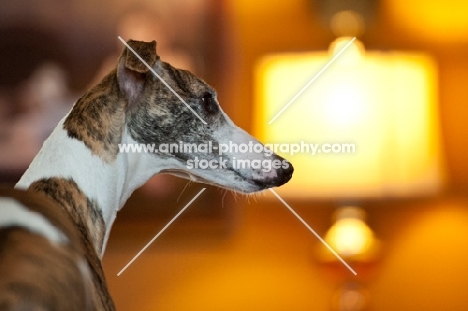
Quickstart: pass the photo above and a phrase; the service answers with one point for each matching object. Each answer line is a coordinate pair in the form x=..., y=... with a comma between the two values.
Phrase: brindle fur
x=28, y=260
x=97, y=118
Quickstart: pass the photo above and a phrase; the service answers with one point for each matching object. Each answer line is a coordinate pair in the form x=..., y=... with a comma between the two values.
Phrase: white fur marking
x=109, y=184
x=16, y=214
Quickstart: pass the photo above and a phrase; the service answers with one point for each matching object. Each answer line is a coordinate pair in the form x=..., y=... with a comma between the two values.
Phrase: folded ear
x=146, y=50
x=131, y=71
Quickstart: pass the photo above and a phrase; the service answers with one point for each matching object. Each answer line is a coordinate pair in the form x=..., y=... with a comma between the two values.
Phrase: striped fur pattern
x=27, y=279
x=84, y=212
x=86, y=216
x=97, y=119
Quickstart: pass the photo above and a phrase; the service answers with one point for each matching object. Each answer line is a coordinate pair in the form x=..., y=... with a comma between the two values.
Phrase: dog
x=55, y=224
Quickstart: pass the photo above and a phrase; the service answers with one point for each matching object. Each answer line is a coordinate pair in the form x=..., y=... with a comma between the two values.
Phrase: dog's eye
x=209, y=104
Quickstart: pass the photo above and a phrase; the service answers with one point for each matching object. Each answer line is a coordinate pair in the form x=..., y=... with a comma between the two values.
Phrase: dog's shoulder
x=41, y=259
x=35, y=203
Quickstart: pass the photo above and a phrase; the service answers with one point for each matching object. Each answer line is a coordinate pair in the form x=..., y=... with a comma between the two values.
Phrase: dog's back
x=42, y=266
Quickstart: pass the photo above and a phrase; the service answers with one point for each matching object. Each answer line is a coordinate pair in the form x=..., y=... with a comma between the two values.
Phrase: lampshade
x=372, y=116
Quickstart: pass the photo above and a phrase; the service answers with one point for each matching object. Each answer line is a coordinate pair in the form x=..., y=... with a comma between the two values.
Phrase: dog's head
x=217, y=152
x=193, y=136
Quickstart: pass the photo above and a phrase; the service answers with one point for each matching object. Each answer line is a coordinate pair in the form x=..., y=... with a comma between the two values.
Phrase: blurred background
x=396, y=210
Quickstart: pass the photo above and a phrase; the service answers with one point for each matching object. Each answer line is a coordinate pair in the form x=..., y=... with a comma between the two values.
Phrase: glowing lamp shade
x=372, y=117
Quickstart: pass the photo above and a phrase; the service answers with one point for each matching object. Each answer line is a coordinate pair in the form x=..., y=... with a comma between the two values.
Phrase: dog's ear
x=146, y=50
x=131, y=71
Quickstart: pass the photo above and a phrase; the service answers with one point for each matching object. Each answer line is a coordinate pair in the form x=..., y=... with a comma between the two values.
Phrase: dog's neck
x=104, y=186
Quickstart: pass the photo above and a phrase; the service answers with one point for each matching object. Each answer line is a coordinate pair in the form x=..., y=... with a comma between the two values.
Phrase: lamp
x=375, y=112
x=367, y=127
x=350, y=236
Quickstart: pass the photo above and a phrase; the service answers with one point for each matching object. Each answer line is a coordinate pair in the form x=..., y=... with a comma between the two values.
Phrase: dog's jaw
x=247, y=187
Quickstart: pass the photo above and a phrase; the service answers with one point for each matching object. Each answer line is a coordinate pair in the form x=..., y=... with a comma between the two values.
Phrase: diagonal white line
x=162, y=80
x=160, y=232
x=313, y=79
x=313, y=231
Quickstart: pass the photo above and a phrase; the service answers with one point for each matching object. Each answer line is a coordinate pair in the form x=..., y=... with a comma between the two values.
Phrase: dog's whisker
x=224, y=196
x=183, y=190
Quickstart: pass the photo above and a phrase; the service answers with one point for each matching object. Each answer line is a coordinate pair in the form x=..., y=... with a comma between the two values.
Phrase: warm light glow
x=350, y=235
x=351, y=56
x=383, y=103
x=443, y=21
x=347, y=23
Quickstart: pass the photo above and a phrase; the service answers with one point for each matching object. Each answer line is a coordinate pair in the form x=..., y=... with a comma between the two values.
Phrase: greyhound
x=55, y=225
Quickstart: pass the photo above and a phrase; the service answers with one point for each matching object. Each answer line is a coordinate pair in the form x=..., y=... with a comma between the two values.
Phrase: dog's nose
x=282, y=176
x=285, y=174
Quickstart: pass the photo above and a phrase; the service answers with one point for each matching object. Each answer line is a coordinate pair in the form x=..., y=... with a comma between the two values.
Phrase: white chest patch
x=13, y=213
